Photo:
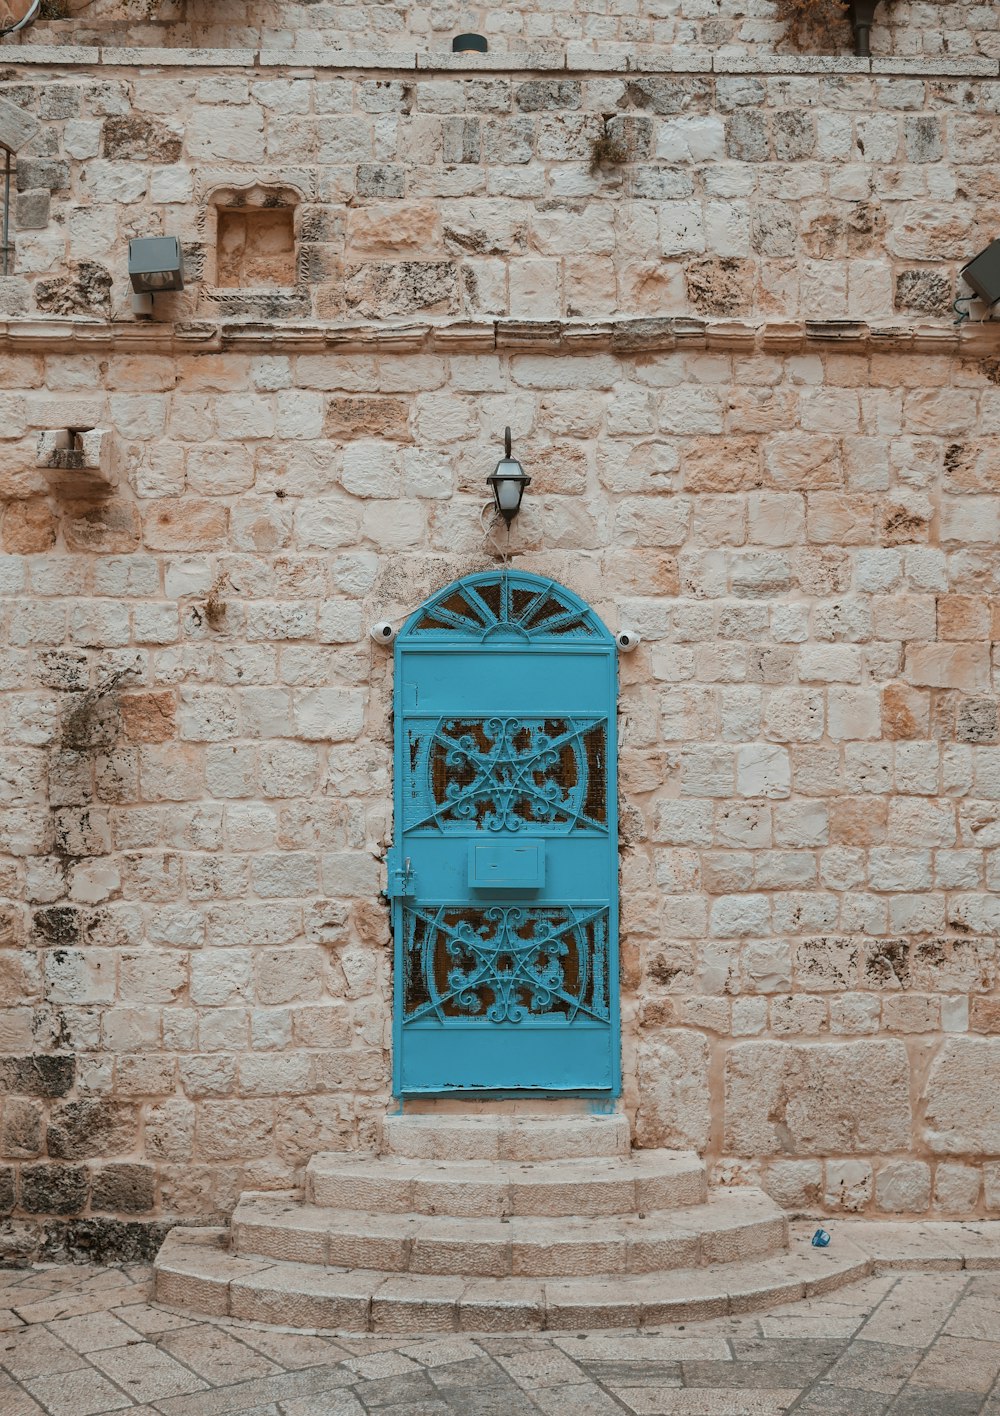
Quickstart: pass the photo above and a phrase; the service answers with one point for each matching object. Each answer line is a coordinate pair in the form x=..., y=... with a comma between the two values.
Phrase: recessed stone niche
x=255, y=248
x=253, y=233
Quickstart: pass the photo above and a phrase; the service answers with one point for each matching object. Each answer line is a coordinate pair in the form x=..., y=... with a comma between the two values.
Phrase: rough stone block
x=811, y=1099
x=955, y=1120
x=962, y=666
x=125, y=1188
x=17, y=127
x=54, y=1189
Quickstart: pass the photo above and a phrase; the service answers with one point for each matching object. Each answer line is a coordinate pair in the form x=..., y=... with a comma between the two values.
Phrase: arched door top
x=511, y=605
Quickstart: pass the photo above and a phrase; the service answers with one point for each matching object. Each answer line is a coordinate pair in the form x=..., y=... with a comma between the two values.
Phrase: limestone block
x=236, y=134
x=17, y=127
x=848, y=1185
x=233, y=1130
x=970, y=519
x=79, y=1129
x=674, y=1105
x=763, y=770
x=956, y=1188
x=795, y=1184
x=956, y=1122
x=808, y=1099
x=903, y=1187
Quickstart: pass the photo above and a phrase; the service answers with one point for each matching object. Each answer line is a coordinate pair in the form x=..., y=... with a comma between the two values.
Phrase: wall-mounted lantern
x=507, y=482
x=469, y=44
x=155, y=264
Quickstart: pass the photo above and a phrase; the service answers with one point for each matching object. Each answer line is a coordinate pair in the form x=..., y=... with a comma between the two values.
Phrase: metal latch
x=401, y=880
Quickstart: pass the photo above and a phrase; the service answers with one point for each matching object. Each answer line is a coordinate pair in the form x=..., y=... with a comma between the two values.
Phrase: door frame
x=594, y=638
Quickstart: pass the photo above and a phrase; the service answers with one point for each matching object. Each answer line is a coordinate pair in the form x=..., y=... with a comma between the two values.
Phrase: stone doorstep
x=439, y=1136
x=644, y=1181
x=196, y=1275
x=734, y=1226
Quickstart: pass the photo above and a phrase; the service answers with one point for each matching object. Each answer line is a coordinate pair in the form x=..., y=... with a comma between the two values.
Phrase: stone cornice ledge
x=575, y=58
x=619, y=336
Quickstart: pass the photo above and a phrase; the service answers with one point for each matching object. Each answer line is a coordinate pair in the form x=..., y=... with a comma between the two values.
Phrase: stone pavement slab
x=908, y=1342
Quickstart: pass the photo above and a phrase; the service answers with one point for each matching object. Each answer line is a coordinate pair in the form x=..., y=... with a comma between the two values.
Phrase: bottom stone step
x=195, y=1271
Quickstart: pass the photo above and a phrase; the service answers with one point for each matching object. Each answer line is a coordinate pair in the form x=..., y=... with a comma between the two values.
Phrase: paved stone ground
x=78, y=1341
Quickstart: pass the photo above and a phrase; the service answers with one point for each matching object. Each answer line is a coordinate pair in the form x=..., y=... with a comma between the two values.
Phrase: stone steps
x=498, y=1220
x=195, y=1271
x=635, y=1183
x=505, y=1136
x=734, y=1225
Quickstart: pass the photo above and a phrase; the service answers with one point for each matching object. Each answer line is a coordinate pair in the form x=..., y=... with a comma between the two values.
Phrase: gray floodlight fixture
x=507, y=482
x=155, y=264
x=469, y=44
x=982, y=274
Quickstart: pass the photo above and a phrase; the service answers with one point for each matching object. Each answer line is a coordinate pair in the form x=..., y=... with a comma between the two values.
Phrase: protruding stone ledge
x=623, y=336
x=576, y=57
x=79, y=465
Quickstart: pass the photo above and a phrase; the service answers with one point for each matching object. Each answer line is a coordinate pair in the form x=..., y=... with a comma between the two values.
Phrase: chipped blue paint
x=503, y=875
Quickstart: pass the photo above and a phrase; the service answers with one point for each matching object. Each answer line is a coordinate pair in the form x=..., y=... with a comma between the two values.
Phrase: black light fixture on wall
x=469, y=44
x=507, y=482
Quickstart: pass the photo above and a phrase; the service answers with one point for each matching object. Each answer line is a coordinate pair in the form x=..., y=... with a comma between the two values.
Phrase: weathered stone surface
x=924, y=290
x=53, y=1189
x=32, y=209
x=381, y=290
x=86, y=290
x=81, y=1129
x=955, y=1120
x=903, y=1187
x=28, y=527
x=674, y=1108
x=136, y=136
x=367, y=417
x=720, y=285
x=811, y=1099
x=123, y=1189
x=37, y=1076
x=149, y=717
x=17, y=127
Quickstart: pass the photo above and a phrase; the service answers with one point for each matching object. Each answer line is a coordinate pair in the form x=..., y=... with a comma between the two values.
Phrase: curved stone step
x=388, y=1184
x=440, y=1136
x=195, y=1272
x=734, y=1225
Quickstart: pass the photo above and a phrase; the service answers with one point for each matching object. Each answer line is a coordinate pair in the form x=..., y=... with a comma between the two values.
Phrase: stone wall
x=952, y=27
x=715, y=308
x=538, y=195
x=196, y=761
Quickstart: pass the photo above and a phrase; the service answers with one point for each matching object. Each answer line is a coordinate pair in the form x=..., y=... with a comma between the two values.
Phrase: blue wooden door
x=504, y=869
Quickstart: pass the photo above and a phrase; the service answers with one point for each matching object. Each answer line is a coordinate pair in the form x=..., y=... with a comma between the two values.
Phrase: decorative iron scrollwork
x=507, y=774
x=506, y=964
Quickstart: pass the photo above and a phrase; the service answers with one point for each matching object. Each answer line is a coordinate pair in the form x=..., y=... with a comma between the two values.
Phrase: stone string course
x=197, y=762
